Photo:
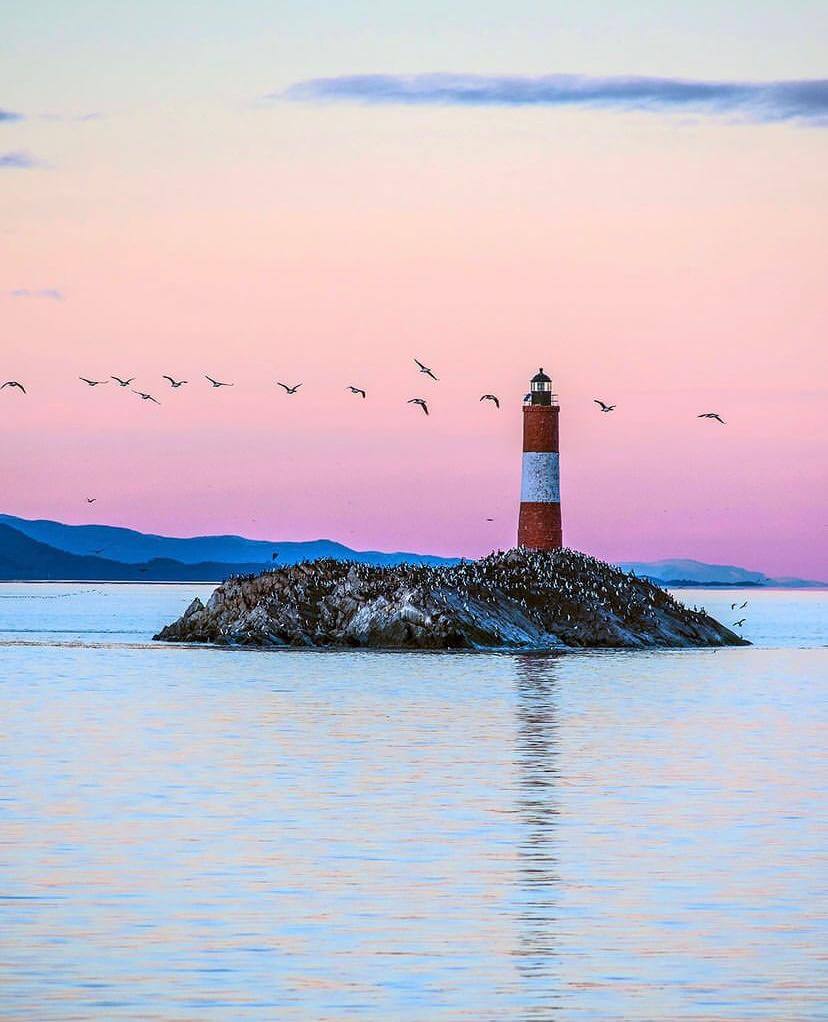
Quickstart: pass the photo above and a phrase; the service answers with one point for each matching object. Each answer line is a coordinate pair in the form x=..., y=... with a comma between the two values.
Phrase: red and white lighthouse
x=539, y=526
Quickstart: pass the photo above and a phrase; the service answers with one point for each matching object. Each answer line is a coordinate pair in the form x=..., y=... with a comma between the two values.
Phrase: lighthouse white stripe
x=540, y=482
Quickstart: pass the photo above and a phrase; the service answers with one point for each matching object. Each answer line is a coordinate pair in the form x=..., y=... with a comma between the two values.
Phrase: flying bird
x=122, y=383
x=91, y=500
x=176, y=383
x=216, y=383
x=491, y=397
x=425, y=369
x=711, y=415
x=739, y=623
x=356, y=390
x=146, y=397
x=13, y=383
x=289, y=390
x=419, y=401
x=93, y=383
x=604, y=407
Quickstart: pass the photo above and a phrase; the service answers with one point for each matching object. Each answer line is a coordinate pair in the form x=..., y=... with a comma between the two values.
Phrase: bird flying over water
x=217, y=383
x=176, y=383
x=356, y=390
x=711, y=415
x=93, y=383
x=419, y=401
x=491, y=397
x=122, y=383
x=604, y=407
x=739, y=623
x=425, y=369
x=13, y=383
x=289, y=390
x=146, y=397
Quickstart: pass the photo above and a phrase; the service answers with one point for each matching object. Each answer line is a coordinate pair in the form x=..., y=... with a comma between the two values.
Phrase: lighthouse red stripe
x=540, y=428
x=539, y=527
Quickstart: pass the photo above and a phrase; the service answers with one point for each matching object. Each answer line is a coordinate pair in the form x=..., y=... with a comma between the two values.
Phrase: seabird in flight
x=419, y=401
x=13, y=383
x=491, y=397
x=289, y=390
x=356, y=390
x=122, y=383
x=93, y=383
x=216, y=383
x=711, y=415
x=146, y=397
x=425, y=369
x=176, y=383
x=604, y=407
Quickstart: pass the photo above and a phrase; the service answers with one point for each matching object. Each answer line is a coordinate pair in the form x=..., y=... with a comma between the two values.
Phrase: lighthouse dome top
x=541, y=377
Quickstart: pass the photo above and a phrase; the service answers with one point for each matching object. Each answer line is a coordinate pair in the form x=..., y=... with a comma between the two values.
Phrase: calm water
x=188, y=833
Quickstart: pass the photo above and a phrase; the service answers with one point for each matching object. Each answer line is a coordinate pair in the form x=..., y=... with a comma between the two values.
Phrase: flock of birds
x=420, y=402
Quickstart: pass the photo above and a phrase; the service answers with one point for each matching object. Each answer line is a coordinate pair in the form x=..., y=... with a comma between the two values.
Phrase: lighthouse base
x=539, y=526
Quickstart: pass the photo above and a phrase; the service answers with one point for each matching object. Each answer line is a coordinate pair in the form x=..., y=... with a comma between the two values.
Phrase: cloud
x=17, y=161
x=50, y=293
x=804, y=100
x=9, y=115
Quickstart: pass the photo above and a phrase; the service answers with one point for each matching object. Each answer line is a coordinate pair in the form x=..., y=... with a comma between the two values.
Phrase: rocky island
x=520, y=599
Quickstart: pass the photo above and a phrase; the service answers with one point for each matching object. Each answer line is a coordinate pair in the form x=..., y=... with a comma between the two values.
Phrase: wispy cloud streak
x=803, y=100
x=50, y=293
x=17, y=161
x=9, y=115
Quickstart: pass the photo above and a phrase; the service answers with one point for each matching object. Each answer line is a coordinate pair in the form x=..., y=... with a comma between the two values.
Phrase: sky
x=179, y=193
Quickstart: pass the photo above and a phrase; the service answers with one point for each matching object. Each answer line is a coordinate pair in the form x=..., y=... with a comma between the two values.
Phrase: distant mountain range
x=42, y=550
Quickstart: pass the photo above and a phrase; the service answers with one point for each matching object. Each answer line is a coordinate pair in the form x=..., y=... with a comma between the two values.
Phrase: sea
x=192, y=833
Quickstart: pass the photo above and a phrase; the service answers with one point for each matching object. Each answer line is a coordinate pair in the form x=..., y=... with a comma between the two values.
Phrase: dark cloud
x=805, y=100
x=51, y=293
x=17, y=161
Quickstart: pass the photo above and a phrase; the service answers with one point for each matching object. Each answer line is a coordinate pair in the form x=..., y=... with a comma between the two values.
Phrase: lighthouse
x=539, y=526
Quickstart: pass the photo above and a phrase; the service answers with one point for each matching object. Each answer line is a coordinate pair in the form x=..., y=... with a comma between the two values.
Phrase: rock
x=521, y=599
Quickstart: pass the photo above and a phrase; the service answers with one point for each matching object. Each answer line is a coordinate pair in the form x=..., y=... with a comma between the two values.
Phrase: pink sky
x=672, y=267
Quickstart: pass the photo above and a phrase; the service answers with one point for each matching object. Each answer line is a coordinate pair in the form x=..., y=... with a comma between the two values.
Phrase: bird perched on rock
x=217, y=383
x=604, y=407
x=711, y=415
x=287, y=389
x=491, y=397
x=175, y=384
x=419, y=401
x=425, y=369
x=13, y=383
x=122, y=383
x=356, y=390
x=93, y=383
x=146, y=397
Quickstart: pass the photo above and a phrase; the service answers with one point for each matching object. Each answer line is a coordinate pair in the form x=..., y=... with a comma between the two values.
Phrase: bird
x=13, y=383
x=711, y=415
x=425, y=369
x=146, y=397
x=289, y=390
x=122, y=383
x=91, y=500
x=491, y=397
x=740, y=622
x=356, y=390
x=419, y=401
x=743, y=605
x=216, y=383
x=490, y=519
x=604, y=407
x=93, y=383
x=176, y=383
